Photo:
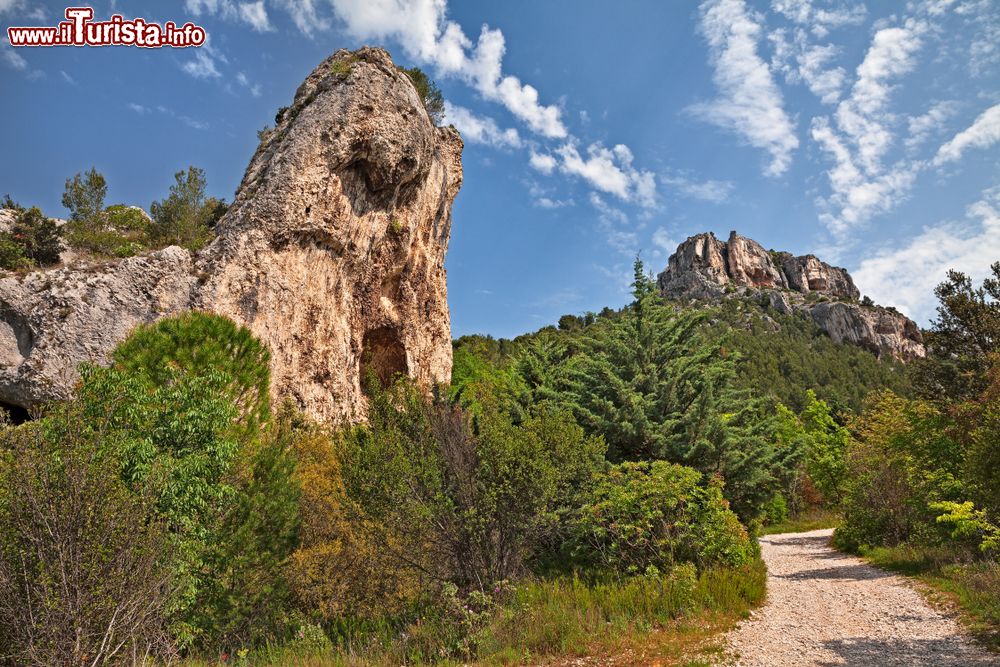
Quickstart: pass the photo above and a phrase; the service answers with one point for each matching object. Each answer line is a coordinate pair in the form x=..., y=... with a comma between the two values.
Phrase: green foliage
x=967, y=522
x=648, y=517
x=36, y=236
x=199, y=344
x=962, y=338
x=11, y=254
x=900, y=459
x=186, y=217
x=428, y=92
x=461, y=499
x=789, y=354
x=84, y=196
x=84, y=569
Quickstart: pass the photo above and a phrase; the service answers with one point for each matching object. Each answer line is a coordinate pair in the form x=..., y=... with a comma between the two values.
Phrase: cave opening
x=15, y=414
x=382, y=355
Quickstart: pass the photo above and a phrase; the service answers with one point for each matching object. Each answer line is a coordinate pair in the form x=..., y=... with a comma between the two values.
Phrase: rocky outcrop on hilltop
x=332, y=253
x=705, y=268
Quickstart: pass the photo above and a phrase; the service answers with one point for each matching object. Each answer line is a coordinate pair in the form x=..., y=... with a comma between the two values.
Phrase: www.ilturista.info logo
x=80, y=30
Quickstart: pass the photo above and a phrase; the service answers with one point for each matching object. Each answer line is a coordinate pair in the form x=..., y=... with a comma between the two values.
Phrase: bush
x=428, y=92
x=339, y=569
x=85, y=571
x=901, y=458
x=462, y=499
x=648, y=517
x=37, y=236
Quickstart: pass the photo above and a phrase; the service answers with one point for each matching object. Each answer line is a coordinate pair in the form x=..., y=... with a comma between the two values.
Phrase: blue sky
x=867, y=134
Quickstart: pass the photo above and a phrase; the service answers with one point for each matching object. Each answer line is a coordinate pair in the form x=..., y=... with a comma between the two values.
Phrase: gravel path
x=825, y=608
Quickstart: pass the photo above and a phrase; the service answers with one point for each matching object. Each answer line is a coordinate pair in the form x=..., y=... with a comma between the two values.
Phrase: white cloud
x=664, y=241
x=202, y=67
x=542, y=162
x=67, y=78
x=905, y=277
x=12, y=58
x=304, y=15
x=861, y=133
x=710, y=190
x=750, y=103
x=424, y=32
x=480, y=129
x=983, y=133
x=612, y=222
x=610, y=170
x=187, y=120
x=819, y=20
x=922, y=127
x=254, y=14
x=547, y=202
x=244, y=81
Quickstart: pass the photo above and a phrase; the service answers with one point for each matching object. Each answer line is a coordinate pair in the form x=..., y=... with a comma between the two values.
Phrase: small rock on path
x=825, y=608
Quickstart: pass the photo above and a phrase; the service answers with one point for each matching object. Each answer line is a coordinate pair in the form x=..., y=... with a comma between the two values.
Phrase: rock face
x=705, y=268
x=332, y=253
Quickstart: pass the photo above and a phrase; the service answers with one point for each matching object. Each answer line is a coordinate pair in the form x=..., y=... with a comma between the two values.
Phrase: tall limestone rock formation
x=705, y=268
x=332, y=254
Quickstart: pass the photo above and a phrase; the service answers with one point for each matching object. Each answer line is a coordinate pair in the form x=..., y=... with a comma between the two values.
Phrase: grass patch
x=957, y=583
x=634, y=621
x=802, y=524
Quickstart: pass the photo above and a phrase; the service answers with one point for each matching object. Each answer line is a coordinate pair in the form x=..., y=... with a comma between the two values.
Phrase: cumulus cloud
x=480, y=129
x=425, y=33
x=820, y=20
x=983, y=133
x=905, y=277
x=610, y=170
x=860, y=133
x=750, y=103
x=542, y=162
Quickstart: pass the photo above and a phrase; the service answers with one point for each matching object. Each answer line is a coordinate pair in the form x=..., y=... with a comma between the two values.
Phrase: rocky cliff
x=332, y=253
x=706, y=268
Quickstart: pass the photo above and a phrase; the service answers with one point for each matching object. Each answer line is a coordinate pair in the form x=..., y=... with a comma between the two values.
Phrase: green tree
x=84, y=197
x=962, y=338
x=187, y=215
x=428, y=91
x=37, y=236
x=200, y=343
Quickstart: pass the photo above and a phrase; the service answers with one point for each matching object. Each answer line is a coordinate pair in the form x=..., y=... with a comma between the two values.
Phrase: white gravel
x=825, y=608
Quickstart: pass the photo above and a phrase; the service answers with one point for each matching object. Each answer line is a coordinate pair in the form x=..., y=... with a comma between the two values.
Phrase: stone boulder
x=332, y=253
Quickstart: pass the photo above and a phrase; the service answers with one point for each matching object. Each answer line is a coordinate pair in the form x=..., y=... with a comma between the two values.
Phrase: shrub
x=650, y=516
x=462, y=499
x=37, y=236
x=339, y=568
x=428, y=92
x=900, y=459
x=11, y=254
x=85, y=574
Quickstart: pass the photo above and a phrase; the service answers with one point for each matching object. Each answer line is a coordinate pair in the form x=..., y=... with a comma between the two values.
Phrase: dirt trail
x=825, y=608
